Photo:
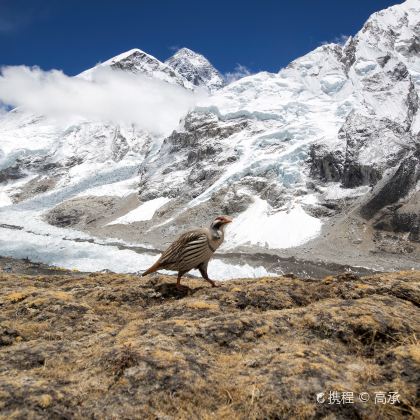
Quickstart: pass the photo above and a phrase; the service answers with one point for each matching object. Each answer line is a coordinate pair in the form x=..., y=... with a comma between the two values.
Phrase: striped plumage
x=192, y=249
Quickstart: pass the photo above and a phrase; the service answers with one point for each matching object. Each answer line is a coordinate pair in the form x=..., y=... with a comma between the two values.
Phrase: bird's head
x=220, y=222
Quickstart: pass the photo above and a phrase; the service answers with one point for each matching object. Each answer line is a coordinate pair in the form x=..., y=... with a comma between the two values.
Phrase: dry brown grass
x=118, y=346
x=202, y=304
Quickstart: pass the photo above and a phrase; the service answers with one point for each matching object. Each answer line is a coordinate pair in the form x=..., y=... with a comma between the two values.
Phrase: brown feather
x=191, y=250
x=185, y=253
x=152, y=269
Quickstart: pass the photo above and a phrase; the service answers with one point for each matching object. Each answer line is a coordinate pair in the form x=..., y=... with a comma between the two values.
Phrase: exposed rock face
x=38, y=185
x=108, y=346
x=81, y=211
x=370, y=147
x=196, y=69
x=119, y=146
x=395, y=207
x=11, y=173
x=325, y=165
x=397, y=187
x=198, y=127
x=201, y=151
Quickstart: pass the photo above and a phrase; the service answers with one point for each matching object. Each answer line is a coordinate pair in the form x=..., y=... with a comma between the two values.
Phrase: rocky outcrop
x=372, y=146
x=103, y=345
x=83, y=211
x=324, y=164
x=407, y=219
x=119, y=146
x=395, y=207
x=11, y=173
x=396, y=188
x=356, y=175
x=38, y=185
x=200, y=147
x=197, y=128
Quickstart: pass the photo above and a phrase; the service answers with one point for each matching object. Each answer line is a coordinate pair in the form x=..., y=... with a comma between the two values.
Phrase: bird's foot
x=214, y=284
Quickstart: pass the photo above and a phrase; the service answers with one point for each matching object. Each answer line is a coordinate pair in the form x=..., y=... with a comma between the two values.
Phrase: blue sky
x=261, y=35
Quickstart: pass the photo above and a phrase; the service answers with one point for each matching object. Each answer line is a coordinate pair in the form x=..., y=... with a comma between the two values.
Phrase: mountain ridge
x=300, y=151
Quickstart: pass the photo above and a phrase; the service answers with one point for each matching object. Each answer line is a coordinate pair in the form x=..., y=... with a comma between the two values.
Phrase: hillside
x=106, y=345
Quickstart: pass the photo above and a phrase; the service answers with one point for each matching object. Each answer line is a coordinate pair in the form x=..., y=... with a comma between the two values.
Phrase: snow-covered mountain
x=185, y=68
x=196, y=69
x=136, y=61
x=320, y=157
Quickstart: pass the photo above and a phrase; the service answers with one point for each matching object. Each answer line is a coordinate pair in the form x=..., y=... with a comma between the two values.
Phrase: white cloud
x=174, y=48
x=116, y=96
x=4, y=109
x=340, y=40
x=238, y=72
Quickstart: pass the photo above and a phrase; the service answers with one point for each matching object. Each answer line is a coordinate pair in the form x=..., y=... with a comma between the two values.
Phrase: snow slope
x=271, y=229
x=143, y=212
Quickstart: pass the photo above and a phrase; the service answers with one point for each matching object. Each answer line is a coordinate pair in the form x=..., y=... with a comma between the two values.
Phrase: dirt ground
x=109, y=346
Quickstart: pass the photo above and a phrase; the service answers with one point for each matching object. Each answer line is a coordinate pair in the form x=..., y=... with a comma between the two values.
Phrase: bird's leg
x=203, y=270
x=178, y=281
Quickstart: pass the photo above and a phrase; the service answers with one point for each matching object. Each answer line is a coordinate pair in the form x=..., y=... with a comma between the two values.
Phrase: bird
x=193, y=249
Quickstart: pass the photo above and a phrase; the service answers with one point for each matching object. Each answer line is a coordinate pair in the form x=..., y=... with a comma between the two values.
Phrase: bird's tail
x=152, y=269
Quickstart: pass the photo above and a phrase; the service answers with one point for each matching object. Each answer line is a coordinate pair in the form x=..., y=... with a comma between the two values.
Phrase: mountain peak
x=186, y=51
x=139, y=62
x=124, y=55
x=196, y=69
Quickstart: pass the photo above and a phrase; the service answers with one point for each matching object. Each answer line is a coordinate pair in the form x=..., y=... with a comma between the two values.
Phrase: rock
x=11, y=173
x=119, y=146
x=116, y=345
x=361, y=135
x=397, y=187
x=35, y=186
x=233, y=202
x=199, y=175
x=8, y=336
x=325, y=165
x=81, y=211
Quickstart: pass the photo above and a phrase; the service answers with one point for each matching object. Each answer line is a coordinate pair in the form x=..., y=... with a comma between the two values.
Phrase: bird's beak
x=228, y=220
